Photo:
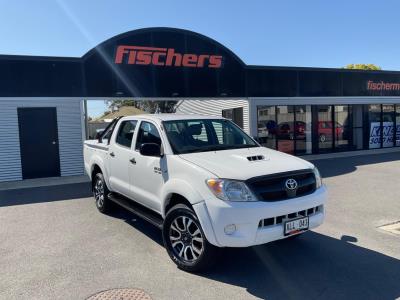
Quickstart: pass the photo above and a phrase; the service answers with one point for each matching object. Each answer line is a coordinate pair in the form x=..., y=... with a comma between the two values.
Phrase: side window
x=125, y=133
x=148, y=133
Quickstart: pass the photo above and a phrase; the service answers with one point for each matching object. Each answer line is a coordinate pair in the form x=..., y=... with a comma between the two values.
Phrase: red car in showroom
x=325, y=131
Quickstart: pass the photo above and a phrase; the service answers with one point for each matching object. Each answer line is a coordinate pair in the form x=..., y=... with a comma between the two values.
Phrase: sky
x=307, y=33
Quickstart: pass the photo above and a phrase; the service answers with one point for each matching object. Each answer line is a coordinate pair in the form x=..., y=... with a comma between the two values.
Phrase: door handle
x=112, y=154
x=133, y=161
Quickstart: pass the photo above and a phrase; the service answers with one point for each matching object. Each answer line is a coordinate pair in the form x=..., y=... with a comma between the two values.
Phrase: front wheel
x=185, y=241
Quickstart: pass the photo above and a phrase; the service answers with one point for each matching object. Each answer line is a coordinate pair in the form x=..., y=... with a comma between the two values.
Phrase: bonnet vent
x=255, y=157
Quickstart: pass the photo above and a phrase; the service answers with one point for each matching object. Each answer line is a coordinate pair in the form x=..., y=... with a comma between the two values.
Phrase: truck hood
x=242, y=164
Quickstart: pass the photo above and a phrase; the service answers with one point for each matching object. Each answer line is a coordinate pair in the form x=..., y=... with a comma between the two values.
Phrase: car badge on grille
x=291, y=184
x=291, y=187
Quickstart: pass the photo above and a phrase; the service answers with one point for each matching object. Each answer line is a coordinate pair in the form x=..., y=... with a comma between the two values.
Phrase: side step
x=138, y=209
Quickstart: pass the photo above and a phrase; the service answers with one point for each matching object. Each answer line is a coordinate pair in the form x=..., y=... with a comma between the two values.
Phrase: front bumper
x=215, y=215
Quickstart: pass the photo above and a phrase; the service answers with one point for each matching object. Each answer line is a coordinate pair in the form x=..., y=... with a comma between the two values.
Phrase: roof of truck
x=169, y=117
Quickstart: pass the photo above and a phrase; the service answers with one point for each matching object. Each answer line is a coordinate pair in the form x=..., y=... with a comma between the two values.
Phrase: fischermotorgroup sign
x=383, y=86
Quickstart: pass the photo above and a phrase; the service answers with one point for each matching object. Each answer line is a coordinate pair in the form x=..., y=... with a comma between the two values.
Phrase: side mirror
x=150, y=149
x=98, y=135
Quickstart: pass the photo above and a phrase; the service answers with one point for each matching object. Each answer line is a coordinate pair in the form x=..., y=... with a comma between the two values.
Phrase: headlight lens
x=318, y=179
x=230, y=190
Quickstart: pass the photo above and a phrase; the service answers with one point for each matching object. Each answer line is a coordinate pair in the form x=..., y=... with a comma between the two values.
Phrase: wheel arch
x=178, y=191
x=96, y=165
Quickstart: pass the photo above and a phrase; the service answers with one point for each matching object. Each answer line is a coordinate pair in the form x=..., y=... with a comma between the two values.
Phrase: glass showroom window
x=303, y=129
x=388, y=125
x=285, y=133
x=357, y=118
x=374, y=115
x=286, y=128
x=398, y=125
x=266, y=126
x=325, y=128
x=342, y=129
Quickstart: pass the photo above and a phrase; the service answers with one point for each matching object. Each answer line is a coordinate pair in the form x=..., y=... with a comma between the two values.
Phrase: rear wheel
x=100, y=194
x=185, y=241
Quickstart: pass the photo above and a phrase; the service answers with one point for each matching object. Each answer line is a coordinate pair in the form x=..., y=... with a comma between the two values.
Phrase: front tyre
x=185, y=241
x=100, y=194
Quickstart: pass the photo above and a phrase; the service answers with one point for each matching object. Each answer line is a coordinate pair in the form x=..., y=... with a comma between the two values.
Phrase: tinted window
x=125, y=133
x=148, y=133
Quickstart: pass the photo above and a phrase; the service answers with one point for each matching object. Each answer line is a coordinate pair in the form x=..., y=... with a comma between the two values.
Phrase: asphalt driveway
x=55, y=245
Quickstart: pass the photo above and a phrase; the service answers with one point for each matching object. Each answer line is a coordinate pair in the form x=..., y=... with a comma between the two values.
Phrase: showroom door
x=38, y=137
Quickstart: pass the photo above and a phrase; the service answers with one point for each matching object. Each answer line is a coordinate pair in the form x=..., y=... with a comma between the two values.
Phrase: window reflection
x=285, y=127
x=388, y=125
x=342, y=131
x=266, y=126
x=375, y=139
x=325, y=127
x=303, y=129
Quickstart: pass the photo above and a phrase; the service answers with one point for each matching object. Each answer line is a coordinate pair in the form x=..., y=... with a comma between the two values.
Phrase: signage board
x=375, y=136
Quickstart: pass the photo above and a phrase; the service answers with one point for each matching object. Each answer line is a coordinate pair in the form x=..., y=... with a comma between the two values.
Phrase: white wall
x=69, y=119
x=214, y=107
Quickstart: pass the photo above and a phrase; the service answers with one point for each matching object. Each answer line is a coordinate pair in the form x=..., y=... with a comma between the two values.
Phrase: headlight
x=230, y=190
x=318, y=179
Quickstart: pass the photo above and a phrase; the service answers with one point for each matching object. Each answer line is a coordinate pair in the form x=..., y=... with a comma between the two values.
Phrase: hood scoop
x=256, y=158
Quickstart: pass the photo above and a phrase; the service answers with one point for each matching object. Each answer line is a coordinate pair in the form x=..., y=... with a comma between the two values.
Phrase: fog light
x=230, y=229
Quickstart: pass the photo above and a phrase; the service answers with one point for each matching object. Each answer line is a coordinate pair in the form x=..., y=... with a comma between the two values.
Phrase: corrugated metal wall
x=214, y=108
x=69, y=118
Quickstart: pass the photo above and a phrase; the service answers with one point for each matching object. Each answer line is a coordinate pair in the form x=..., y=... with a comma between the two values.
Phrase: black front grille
x=272, y=187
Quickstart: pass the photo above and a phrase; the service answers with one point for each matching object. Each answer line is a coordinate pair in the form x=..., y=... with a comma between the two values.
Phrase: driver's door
x=147, y=173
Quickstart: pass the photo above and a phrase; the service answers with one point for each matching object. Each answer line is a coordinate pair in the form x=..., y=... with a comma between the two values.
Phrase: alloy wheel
x=99, y=193
x=186, y=239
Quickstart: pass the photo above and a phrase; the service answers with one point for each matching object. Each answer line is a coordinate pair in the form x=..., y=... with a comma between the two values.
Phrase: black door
x=38, y=137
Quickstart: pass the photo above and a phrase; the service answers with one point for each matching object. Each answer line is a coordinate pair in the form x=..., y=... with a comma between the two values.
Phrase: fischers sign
x=165, y=57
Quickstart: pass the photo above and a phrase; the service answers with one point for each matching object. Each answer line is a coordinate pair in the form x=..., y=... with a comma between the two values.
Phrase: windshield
x=188, y=136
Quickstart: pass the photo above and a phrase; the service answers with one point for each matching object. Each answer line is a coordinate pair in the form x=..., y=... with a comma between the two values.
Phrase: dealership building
x=292, y=109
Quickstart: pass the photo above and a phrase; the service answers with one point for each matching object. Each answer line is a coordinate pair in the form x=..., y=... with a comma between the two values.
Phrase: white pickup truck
x=204, y=182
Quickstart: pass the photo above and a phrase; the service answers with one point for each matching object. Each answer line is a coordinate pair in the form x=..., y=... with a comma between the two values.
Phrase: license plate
x=295, y=226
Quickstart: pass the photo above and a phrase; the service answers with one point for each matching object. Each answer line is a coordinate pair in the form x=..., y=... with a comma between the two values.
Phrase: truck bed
x=91, y=149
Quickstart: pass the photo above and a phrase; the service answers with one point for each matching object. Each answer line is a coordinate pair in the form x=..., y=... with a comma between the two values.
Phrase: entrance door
x=38, y=137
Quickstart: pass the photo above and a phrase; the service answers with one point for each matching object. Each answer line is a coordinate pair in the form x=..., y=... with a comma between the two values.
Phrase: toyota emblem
x=291, y=184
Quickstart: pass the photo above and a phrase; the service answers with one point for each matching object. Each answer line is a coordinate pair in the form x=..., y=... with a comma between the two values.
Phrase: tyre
x=100, y=194
x=322, y=138
x=185, y=241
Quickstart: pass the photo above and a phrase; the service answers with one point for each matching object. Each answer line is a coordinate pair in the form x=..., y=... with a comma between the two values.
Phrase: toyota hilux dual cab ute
x=204, y=182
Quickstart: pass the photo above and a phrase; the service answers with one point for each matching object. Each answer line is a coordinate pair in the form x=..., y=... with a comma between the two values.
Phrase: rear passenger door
x=120, y=153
